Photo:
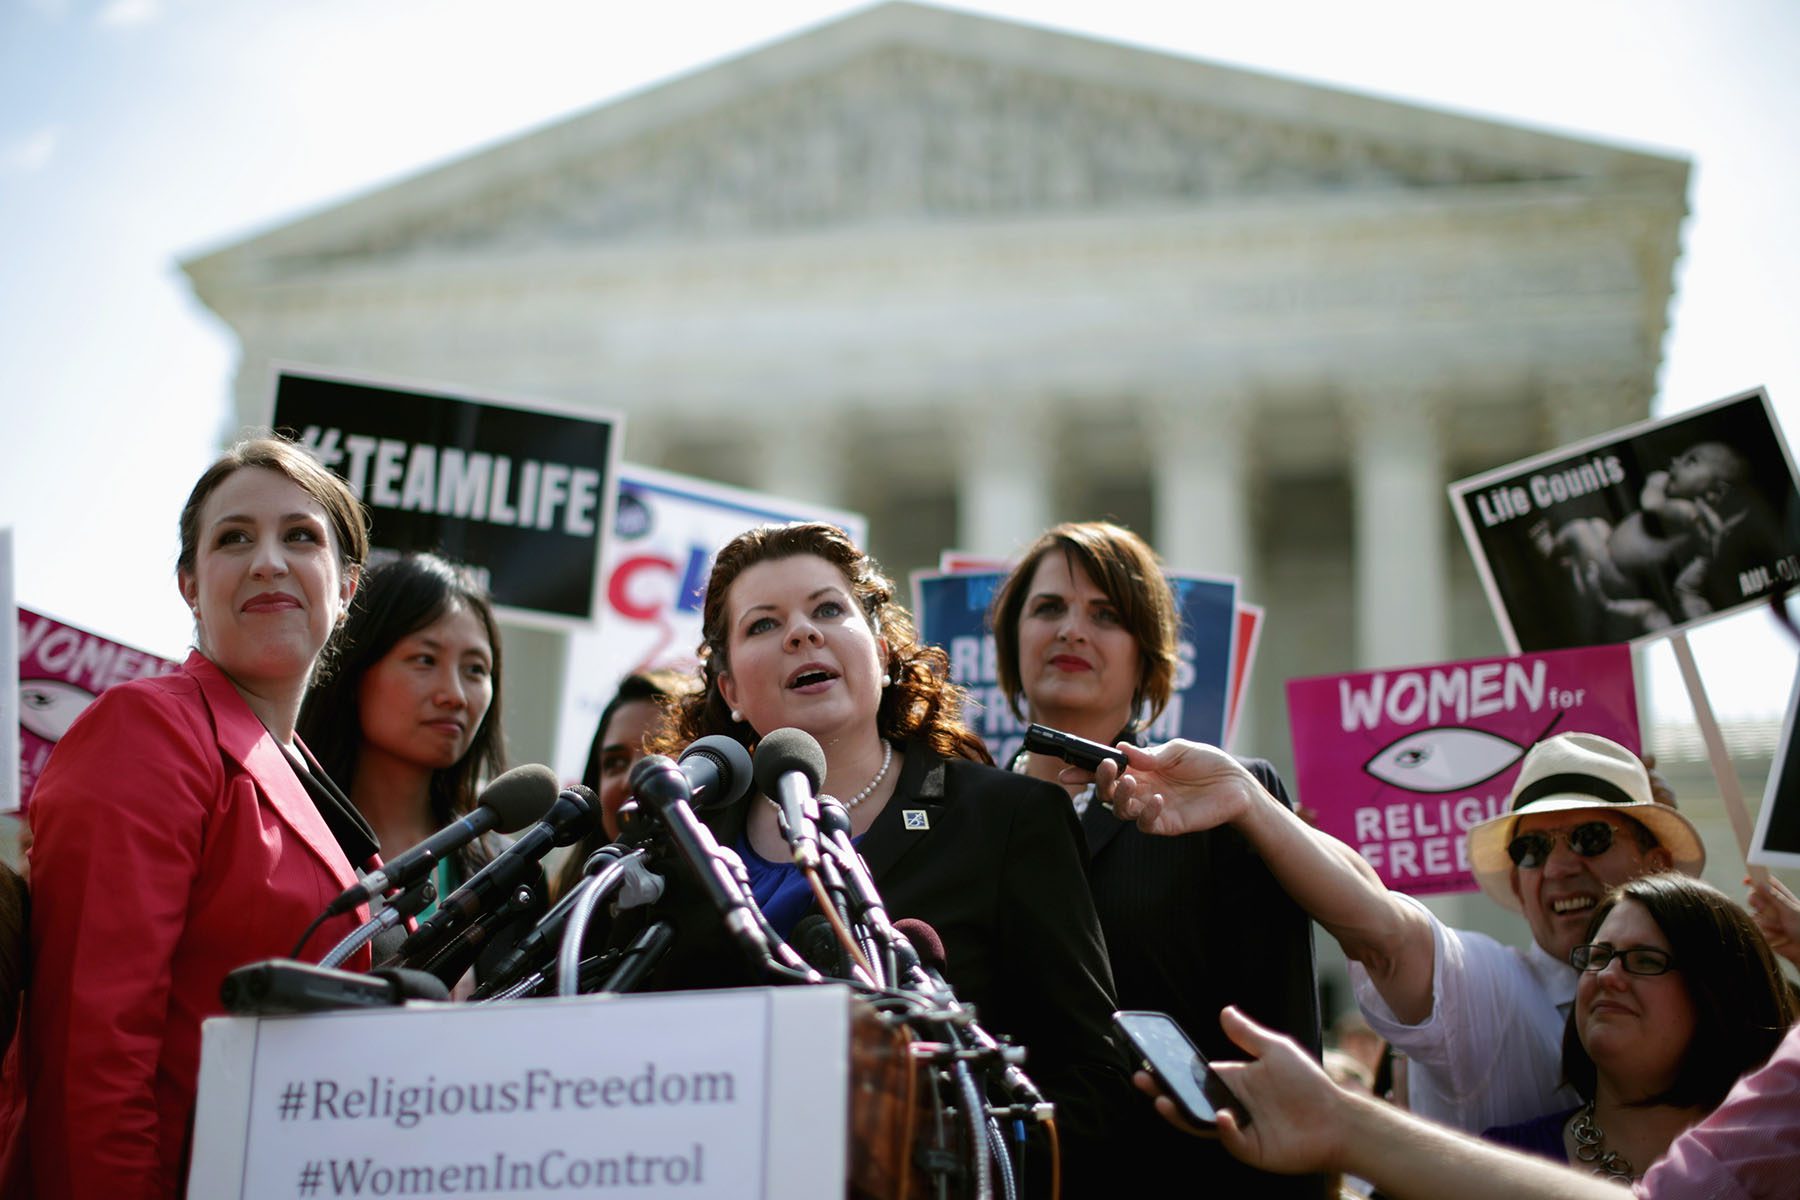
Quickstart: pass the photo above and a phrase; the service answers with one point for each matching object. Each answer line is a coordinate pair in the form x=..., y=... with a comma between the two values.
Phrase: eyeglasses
x=1588, y=839
x=1638, y=960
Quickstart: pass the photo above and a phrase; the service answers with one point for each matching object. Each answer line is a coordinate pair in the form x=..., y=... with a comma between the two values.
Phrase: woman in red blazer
x=181, y=830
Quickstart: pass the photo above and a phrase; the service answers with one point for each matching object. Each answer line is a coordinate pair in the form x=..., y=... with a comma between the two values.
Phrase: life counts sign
x=517, y=490
x=1401, y=764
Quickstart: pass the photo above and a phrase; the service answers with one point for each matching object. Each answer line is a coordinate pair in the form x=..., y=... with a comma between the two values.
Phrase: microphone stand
x=406, y=905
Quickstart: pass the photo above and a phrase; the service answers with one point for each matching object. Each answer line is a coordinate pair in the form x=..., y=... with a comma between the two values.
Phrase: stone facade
x=971, y=277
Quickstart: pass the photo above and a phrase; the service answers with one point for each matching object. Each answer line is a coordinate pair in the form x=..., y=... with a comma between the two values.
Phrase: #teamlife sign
x=520, y=490
x=1638, y=532
x=952, y=607
x=740, y=1093
x=1401, y=764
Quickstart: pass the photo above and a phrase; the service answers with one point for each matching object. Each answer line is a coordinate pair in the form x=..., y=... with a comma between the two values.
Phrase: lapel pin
x=915, y=818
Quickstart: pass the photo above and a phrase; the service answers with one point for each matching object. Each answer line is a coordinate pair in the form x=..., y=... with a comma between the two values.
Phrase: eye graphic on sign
x=1444, y=759
x=47, y=707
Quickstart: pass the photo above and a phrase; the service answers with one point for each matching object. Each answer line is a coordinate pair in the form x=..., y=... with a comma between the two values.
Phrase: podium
x=742, y=1093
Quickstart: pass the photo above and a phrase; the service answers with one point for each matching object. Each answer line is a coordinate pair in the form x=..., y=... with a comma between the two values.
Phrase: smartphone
x=1179, y=1068
x=1076, y=751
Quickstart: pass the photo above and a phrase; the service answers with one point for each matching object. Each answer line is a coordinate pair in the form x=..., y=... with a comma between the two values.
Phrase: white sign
x=698, y=1094
x=667, y=530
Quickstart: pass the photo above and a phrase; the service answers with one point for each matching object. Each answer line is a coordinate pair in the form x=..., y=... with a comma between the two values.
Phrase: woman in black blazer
x=1085, y=632
x=801, y=631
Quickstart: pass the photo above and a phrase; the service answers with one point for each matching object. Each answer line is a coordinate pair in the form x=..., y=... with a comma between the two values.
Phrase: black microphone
x=789, y=769
x=665, y=787
x=817, y=943
x=574, y=815
x=281, y=985
x=717, y=769
x=510, y=803
x=929, y=966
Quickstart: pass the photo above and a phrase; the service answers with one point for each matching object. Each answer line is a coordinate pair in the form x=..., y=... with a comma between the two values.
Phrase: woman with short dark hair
x=1086, y=635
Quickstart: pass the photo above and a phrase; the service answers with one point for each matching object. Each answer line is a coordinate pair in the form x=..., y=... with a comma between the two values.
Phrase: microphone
x=818, y=945
x=574, y=815
x=789, y=769
x=281, y=985
x=513, y=801
x=929, y=965
x=717, y=769
x=666, y=786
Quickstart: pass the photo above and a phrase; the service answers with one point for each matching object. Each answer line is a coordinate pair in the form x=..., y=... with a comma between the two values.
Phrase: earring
x=887, y=680
x=737, y=718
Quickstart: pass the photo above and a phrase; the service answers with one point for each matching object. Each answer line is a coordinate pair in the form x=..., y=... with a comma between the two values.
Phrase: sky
x=136, y=133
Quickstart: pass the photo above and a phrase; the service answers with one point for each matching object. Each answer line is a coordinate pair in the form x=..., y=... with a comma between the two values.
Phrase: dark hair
x=1122, y=565
x=1742, y=1005
x=398, y=598
x=349, y=523
x=922, y=703
x=658, y=688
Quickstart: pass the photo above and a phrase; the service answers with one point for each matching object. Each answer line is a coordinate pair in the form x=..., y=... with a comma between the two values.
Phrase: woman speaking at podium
x=801, y=630
x=181, y=830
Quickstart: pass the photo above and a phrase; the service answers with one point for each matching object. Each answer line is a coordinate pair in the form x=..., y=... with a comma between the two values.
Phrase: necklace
x=887, y=760
x=1590, y=1147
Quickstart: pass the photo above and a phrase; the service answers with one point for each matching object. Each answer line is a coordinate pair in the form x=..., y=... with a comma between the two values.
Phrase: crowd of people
x=332, y=710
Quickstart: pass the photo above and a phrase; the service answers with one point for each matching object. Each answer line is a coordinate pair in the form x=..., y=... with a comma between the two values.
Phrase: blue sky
x=137, y=132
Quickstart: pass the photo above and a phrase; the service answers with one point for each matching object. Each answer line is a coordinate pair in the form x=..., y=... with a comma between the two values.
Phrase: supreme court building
x=971, y=277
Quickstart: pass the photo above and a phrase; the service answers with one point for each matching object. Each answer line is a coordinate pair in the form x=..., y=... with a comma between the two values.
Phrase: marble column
x=1199, y=456
x=810, y=463
x=1005, y=455
x=1402, y=567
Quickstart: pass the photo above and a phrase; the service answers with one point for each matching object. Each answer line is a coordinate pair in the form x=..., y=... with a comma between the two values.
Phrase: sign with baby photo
x=1638, y=532
x=1401, y=764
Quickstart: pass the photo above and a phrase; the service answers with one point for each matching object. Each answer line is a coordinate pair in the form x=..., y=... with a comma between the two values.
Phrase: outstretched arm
x=1300, y=1122
x=1183, y=786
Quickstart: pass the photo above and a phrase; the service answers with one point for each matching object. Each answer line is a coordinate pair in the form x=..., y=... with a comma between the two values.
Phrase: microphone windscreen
x=787, y=750
x=521, y=796
x=733, y=763
x=817, y=944
x=925, y=940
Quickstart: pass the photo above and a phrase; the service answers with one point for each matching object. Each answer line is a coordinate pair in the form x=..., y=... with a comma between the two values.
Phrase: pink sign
x=61, y=670
x=1401, y=764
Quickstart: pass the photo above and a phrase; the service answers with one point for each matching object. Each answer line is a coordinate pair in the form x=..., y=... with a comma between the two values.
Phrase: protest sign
x=61, y=669
x=951, y=609
x=667, y=530
x=1243, y=661
x=1776, y=842
x=10, y=799
x=520, y=490
x=1637, y=532
x=1401, y=764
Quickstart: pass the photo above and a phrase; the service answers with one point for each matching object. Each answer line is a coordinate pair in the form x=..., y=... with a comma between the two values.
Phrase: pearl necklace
x=887, y=760
x=1590, y=1147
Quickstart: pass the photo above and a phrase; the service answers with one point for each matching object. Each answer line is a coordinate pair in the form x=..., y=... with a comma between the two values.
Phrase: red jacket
x=172, y=843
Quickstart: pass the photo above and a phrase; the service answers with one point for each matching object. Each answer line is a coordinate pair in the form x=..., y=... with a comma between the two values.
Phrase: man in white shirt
x=1481, y=1022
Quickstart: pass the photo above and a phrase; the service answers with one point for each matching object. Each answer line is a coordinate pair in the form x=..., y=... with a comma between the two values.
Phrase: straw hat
x=1573, y=771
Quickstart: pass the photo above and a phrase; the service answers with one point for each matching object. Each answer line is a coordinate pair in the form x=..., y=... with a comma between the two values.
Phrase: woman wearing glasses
x=1678, y=996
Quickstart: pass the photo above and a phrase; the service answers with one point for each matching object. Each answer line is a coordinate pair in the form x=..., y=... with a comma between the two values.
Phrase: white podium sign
x=695, y=1094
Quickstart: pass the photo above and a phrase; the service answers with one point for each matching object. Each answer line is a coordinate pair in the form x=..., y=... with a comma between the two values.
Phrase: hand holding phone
x=1179, y=1068
x=1076, y=751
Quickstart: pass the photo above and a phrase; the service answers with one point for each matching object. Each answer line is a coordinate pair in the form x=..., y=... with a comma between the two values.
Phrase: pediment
x=904, y=114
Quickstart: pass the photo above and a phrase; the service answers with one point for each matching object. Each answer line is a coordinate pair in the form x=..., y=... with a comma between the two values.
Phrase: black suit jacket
x=994, y=863
x=1194, y=923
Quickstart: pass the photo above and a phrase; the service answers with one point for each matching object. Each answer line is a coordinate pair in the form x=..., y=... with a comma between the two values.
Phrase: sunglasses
x=1638, y=960
x=1588, y=839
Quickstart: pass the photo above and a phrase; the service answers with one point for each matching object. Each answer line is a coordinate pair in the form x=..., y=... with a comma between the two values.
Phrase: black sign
x=1777, y=840
x=1639, y=532
x=519, y=493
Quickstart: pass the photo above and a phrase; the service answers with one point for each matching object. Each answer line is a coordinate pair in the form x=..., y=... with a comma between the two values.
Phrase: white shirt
x=1490, y=1051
